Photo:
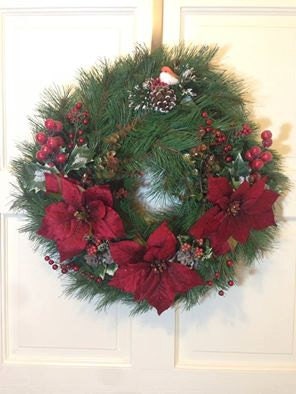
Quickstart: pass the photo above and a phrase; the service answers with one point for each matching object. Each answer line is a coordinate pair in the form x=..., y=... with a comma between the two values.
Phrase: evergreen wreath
x=146, y=183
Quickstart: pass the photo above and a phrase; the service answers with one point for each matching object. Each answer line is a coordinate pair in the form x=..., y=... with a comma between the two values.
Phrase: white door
x=242, y=343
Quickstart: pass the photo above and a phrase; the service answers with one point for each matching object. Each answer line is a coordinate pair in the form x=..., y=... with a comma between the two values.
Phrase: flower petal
x=125, y=252
x=101, y=192
x=263, y=220
x=207, y=223
x=57, y=221
x=108, y=227
x=53, y=183
x=161, y=244
x=129, y=277
x=263, y=203
x=74, y=244
x=71, y=193
x=218, y=188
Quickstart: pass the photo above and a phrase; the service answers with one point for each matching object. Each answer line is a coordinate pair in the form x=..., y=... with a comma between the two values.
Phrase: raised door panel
x=252, y=327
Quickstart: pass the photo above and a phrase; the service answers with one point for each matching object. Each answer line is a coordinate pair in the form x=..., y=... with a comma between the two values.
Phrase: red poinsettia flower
x=81, y=214
x=235, y=213
x=146, y=272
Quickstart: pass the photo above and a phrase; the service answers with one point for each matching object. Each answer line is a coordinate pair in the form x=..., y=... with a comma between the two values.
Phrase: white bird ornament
x=168, y=76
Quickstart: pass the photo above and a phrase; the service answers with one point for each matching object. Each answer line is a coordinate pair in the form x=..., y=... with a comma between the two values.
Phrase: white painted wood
x=253, y=327
x=243, y=343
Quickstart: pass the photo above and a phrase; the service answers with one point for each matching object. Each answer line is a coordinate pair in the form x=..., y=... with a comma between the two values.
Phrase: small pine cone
x=163, y=99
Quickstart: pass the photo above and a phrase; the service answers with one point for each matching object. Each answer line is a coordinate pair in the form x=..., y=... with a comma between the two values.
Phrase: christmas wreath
x=147, y=182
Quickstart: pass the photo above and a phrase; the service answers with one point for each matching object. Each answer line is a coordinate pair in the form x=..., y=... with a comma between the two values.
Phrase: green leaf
x=79, y=157
x=240, y=167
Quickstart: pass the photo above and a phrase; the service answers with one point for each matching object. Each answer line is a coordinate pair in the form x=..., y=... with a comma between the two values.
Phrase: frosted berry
x=91, y=249
x=50, y=261
x=46, y=258
x=185, y=247
x=41, y=138
x=257, y=164
x=266, y=135
x=55, y=267
x=49, y=124
x=221, y=293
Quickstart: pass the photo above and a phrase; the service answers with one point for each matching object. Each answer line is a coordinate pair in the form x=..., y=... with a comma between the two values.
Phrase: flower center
x=159, y=266
x=80, y=215
x=234, y=208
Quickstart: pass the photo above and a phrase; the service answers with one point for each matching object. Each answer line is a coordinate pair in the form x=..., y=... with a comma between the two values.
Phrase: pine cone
x=163, y=99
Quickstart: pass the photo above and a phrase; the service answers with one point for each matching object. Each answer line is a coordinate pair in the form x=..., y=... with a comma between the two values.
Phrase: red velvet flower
x=235, y=213
x=81, y=213
x=146, y=272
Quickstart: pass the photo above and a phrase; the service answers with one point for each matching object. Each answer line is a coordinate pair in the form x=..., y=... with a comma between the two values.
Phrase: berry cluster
x=78, y=118
x=92, y=247
x=52, y=144
x=258, y=158
x=220, y=138
x=246, y=130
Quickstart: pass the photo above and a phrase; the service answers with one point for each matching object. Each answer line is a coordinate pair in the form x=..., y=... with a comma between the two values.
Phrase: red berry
x=257, y=164
x=217, y=275
x=210, y=283
x=46, y=258
x=248, y=156
x=55, y=142
x=80, y=132
x=50, y=261
x=58, y=127
x=85, y=121
x=228, y=159
x=49, y=124
x=81, y=141
x=267, y=143
x=229, y=263
x=40, y=156
x=208, y=129
x=255, y=151
x=99, y=280
x=64, y=270
x=47, y=150
x=76, y=268
x=61, y=158
x=71, y=135
x=78, y=105
x=209, y=122
x=55, y=267
x=266, y=135
x=70, y=146
x=41, y=138
x=266, y=156
x=204, y=114
x=230, y=282
x=221, y=293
